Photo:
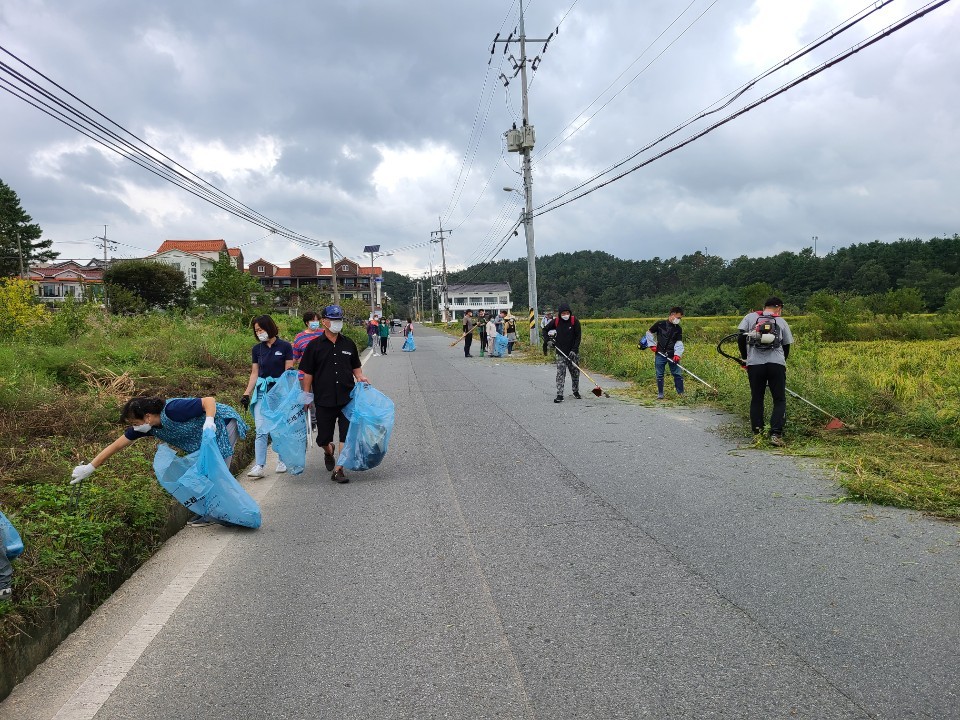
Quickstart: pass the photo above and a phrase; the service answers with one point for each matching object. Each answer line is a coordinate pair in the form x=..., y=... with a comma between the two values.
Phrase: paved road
x=513, y=558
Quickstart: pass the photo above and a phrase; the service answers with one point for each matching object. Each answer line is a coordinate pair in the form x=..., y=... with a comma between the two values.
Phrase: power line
x=33, y=94
x=728, y=99
x=546, y=152
x=907, y=20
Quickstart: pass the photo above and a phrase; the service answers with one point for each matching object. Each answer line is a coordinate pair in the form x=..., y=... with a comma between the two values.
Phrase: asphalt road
x=513, y=558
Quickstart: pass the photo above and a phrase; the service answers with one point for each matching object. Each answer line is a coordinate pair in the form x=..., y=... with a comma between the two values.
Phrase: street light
x=374, y=251
x=527, y=217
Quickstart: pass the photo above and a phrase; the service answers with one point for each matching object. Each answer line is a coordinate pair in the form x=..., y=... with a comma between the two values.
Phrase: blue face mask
x=314, y=325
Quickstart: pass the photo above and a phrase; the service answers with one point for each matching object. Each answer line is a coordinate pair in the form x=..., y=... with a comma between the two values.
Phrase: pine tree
x=19, y=237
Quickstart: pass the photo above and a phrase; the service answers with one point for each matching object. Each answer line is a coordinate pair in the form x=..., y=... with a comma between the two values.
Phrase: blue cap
x=333, y=312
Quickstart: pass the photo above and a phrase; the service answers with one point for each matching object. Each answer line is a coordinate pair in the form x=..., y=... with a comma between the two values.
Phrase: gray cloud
x=370, y=106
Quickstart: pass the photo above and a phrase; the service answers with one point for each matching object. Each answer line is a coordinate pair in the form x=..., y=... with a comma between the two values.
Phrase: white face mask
x=336, y=326
x=143, y=428
x=564, y=317
x=262, y=336
x=676, y=321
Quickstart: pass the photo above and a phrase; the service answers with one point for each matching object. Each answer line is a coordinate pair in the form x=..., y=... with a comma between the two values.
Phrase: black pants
x=467, y=342
x=327, y=419
x=383, y=345
x=774, y=376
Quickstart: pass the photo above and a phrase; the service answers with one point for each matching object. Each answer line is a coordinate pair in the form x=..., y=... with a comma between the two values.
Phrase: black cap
x=562, y=308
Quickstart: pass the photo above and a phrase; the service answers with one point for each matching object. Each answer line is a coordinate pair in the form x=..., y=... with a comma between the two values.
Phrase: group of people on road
x=329, y=365
x=763, y=354
x=490, y=325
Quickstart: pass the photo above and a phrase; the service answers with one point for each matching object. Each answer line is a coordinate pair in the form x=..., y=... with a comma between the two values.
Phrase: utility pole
x=106, y=245
x=522, y=140
x=439, y=234
x=23, y=271
x=333, y=275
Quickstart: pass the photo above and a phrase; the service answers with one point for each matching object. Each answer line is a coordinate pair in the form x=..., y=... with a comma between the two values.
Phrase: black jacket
x=567, y=338
x=667, y=335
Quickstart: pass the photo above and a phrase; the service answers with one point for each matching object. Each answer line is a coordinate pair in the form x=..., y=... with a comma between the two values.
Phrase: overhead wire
x=174, y=172
x=731, y=97
x=545, y=152
x=552, y=205
x=473, y=145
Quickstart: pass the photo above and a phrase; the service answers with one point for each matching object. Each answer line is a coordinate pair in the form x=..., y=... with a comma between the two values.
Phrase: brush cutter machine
x=834, y=424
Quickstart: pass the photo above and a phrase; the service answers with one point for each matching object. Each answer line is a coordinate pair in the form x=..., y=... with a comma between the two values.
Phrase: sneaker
x=660, y=396
x=339, y=477
x=201, y=522
x=558, y=398
x=281, y=468
x=777, y=441
x=329, y=461
x=256, y=471
x=577, y=396
x=6, y=595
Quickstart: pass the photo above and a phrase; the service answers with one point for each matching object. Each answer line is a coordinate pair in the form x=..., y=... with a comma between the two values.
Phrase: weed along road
x=516, y=558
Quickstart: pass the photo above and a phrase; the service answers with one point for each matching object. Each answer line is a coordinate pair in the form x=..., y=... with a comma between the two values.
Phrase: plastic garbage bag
x=12, y=543
x=409, y=345
x=500, y=344
x=285, y=419
x=202, y=482
x=370, y=413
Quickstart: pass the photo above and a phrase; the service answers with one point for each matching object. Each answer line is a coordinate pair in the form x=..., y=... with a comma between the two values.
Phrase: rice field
x=900, y=399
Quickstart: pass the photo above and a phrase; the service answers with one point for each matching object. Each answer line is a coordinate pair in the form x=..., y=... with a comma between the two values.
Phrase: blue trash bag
x=12, y=544
x=370, y=413
x=202, y=482
x=409, y=345
x=500, y=344
x=285, y=419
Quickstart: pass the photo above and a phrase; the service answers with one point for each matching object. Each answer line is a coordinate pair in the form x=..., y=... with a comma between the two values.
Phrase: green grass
x=59, y=405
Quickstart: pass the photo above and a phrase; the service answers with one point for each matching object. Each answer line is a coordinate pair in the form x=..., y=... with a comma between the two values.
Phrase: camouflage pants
x=562, y=365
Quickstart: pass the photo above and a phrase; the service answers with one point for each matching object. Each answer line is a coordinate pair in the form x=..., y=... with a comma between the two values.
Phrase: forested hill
x=596, y=283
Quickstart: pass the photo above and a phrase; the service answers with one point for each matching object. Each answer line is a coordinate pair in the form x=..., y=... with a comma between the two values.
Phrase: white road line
x=87, y=700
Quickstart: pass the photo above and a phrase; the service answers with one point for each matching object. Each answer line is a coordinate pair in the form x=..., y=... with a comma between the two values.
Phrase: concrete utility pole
x=439, y=234
x=522, y=140
x=333, y=275
x=106, y=245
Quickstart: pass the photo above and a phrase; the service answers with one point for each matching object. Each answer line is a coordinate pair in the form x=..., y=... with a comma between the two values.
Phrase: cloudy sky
x=369, y=121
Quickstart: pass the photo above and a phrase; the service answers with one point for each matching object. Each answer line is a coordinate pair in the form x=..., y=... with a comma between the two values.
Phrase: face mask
x=564, y=317
x=676, y=321
x=262, y=336
x=336, y=326
x=143, y=428
x=314, y=325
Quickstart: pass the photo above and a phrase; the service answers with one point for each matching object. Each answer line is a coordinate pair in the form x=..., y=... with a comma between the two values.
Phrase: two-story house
x=68, y=279
x=195, y=257
x=353, y=279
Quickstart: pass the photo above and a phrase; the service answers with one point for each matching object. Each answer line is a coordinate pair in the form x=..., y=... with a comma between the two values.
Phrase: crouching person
x=179, y=422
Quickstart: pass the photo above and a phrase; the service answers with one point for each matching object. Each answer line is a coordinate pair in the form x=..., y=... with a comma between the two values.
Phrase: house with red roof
x=67, y=279
x=353, y=279
x=195, y=257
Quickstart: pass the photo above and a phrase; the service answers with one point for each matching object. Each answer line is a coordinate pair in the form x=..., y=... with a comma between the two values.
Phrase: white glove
x=81, y=473
x=209, y=424
x=551, y=333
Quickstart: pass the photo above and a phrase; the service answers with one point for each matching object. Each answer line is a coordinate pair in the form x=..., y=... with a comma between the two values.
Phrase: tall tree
x=20, y=242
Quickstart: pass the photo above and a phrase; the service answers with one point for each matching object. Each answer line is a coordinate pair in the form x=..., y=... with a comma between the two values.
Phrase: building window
x=490, y=301
x=476, y=301
x=504, y=299
x=347, y=296
x=460, y=301
x=344, y=268
x=349, y=282
x=176, y=265
x=260, y=269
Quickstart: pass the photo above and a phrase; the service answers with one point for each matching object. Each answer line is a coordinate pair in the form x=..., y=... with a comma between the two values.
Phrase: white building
x=493, y=297
x=194, y=257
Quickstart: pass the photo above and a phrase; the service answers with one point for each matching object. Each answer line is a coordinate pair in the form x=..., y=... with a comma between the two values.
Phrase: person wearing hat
x=564, y=332
x=331, y=367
